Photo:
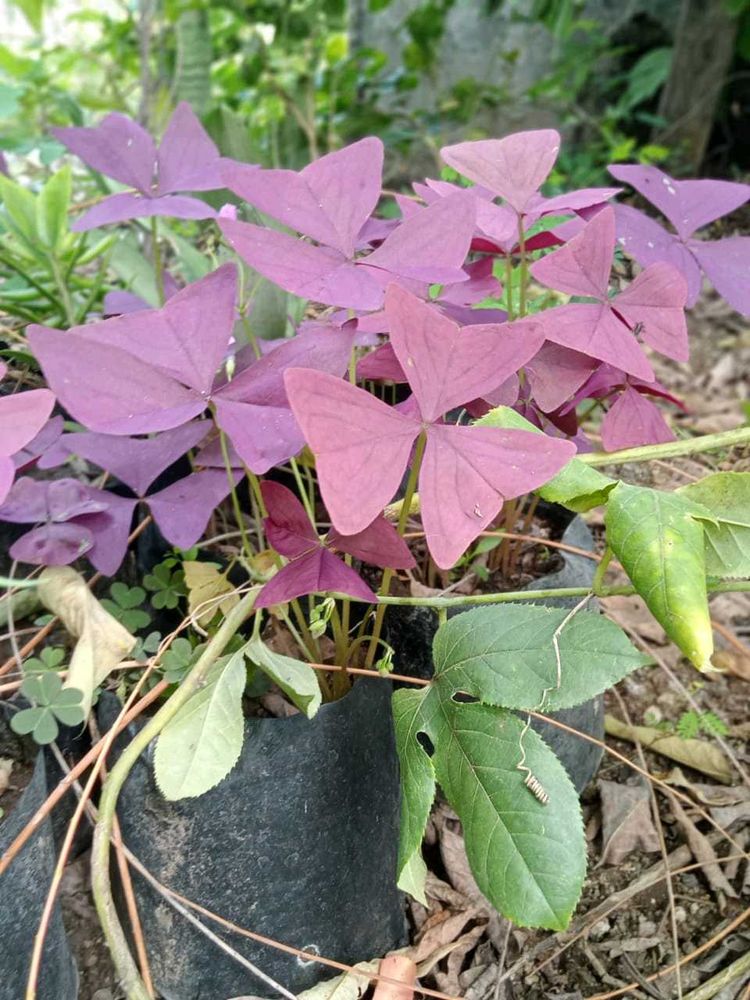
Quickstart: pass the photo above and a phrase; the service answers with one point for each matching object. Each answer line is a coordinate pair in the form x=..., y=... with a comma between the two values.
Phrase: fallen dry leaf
x=102, y=641
x=448, y=981
x=698, y=754
x=627, y=824
x=708, y=795
x=208, y=591
x=732, y=663
x=6, y=767
x=702, y=850
x=400, y=968
x=733, y=816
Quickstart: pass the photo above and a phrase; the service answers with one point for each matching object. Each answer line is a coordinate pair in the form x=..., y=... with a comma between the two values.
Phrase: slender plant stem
x=70, y=313
x=127, y=969
x=385, y=586
x=524, y=269
x=601, y=569
x=670, y=449
x=9, y=262
x=303, y=494
x=508, y=597
x=158, y=262
x=509, y=285
x=246, y=547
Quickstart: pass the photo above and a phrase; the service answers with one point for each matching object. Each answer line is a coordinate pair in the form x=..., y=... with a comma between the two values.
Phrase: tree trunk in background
x=193, y=73
x=703, y=50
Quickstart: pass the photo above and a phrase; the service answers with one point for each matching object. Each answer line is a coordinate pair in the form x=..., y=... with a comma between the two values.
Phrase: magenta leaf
x=513, y=168
x=315, y=273
x=132, y=397
x=287, y=526
x=379, y=544
x=183, y=509
x=655, y=302
x=726, y=264
x=468, y=472
x=633, y=420
x=33, y=500
x=643, y=238
x=7, y=475
x=446, y=365
x=22, y=416
x=126, y=206
x=317, y=571
x=136, y=462
x=188, y=160
x=110, y=531
x=554, y=374
x=652, y=305
x=52, y=544
x=117, y=147
x=688, y=205
x=329, y=201
x=362, y=446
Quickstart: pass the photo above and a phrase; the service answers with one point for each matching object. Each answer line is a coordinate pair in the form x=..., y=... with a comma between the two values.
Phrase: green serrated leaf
x=506, y=656
x=297, y=680
x=202, y=743
x=528, y=859
x=727, y=496
x=417, y=789
x=577, y=486
x=660, y=544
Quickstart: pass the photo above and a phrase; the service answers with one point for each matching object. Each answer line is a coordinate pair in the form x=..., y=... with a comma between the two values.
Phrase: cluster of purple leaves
x=151, y=385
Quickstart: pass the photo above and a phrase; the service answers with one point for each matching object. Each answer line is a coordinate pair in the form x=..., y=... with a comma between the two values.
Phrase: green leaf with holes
x=417, y=789
x=507, y=656
x=202, y=743
x=727, y=533
x=528, y=858
x=577, y=486
x=659, y=539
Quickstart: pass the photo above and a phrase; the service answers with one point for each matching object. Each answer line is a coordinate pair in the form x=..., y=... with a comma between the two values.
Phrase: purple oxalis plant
x=186, y=160
x=688, y=206
x=363, y=447
x=331, y=202
x=22, y=417
x=313, y=566
x=157, y=370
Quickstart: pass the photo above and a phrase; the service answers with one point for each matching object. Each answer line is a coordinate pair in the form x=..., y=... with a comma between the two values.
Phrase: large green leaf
x=505, y=655
x=660, y=543
x=727, y=496
x=417, y=789
x=20, y=208
x=202, y=743
x=528, y=859
x=297, y=680
x=577, y=486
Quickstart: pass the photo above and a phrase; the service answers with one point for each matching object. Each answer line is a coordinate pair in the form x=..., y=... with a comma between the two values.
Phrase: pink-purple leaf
x=317, y=571
x=361, y=446
x=582, y=266
x=643, y=238
x=554, y=374
x=633, y=420
x=52, y=544
x=136, y=462
x=125, y=206
x=182, y=510
x=287, y=526
x=446, y=365
x=117, y=147
x=22, y=416
x=468, y=472
x=379, y=544
x=33, y=500
x=513, y=168
x=655, y=302
x=688, y=205
x=110, y=531
x=727, y=266
x=132, y=397
x=188, y=160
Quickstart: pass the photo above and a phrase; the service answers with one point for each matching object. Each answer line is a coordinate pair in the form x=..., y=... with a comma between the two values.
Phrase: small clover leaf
x=167, y=584
x=126, y=606
x=178, y=659
x=144, y=648
x=51, y=704
x=50, y=658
